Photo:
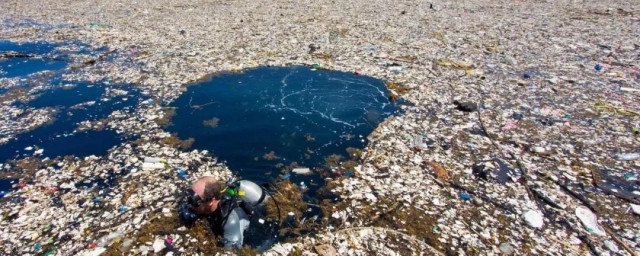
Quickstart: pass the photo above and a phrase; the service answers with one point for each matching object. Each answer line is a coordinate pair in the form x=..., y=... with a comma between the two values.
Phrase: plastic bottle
x=395, y=69
x=627, y=157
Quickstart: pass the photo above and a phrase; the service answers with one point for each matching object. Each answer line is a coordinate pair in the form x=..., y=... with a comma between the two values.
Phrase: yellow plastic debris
x=453, y=64
x=601, y=106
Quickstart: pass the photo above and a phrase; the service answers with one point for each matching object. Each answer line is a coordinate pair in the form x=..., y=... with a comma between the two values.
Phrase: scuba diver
x=229, y=206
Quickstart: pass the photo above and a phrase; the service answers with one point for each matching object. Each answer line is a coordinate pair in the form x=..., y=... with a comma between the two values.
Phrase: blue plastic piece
x=465, y=196
x=182, y=173
x=598, y=67
x=630, y=176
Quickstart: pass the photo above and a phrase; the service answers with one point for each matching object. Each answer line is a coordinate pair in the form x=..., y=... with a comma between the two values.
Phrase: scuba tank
x=248, y=193
x=243, y=197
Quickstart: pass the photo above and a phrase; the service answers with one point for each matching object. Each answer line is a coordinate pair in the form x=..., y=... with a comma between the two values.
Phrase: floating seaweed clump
x=289, y=199
x=198, y=238
x=212, y=123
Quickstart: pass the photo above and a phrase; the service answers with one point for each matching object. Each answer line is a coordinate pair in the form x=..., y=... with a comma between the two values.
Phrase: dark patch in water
x=300, y=114
x=479, y=132
x=504, y=173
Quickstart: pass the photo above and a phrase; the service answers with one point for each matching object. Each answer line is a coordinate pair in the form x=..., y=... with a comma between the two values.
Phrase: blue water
x=38, y=48
x=46, y=56
x=6, y=185
x=59, y=138
x=301, y=114
x=14, y=67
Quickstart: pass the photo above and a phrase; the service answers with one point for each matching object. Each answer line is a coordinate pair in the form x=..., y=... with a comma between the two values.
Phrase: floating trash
x=465, y=196
x=534, y=219
x=303, y=171
x=598, y=67
x=590, y=221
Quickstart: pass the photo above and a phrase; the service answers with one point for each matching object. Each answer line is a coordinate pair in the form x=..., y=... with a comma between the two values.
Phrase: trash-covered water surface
x=46, y=109
x=521, y=138
x=265, y=118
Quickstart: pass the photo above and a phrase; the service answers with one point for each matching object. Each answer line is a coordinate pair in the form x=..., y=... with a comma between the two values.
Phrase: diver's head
x=205, y=194
x=200, y=199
